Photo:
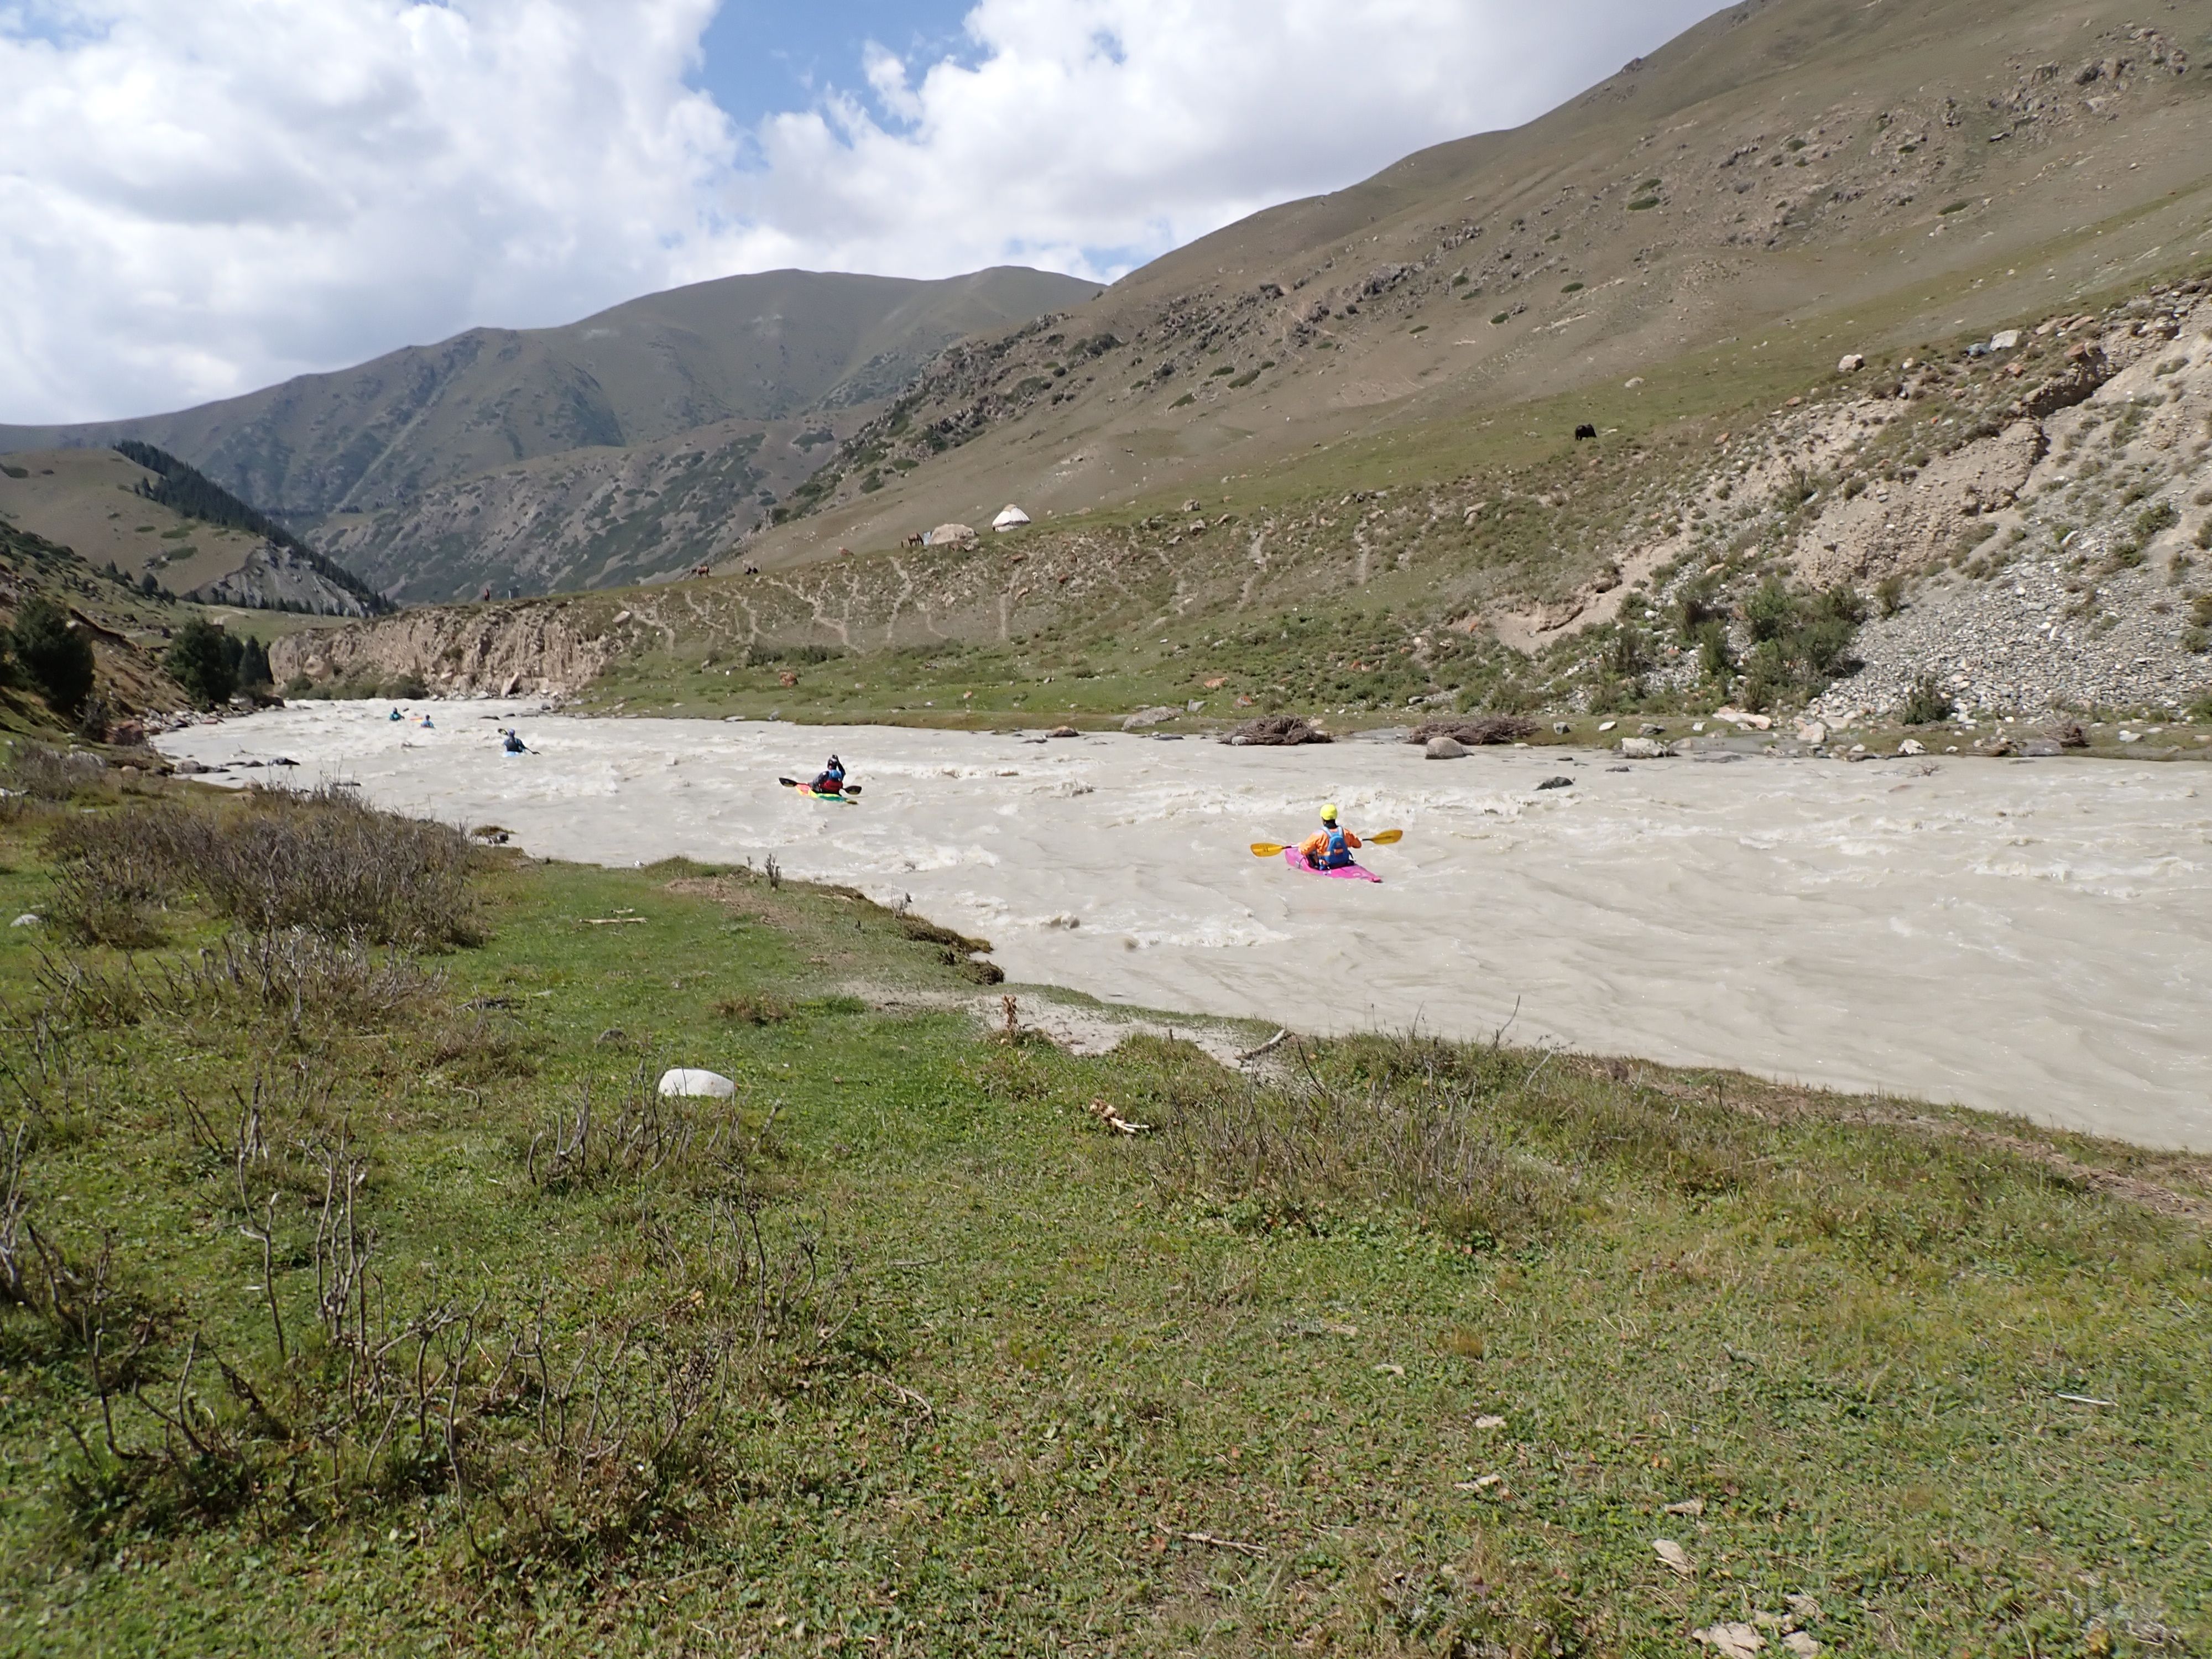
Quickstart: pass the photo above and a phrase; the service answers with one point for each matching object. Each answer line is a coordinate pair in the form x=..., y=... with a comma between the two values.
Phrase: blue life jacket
x=1339, y=854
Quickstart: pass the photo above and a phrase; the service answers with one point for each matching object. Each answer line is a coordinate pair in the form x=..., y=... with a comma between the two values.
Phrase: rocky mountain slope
x=1837, y=294
x=2011, y=525
x=664, y=421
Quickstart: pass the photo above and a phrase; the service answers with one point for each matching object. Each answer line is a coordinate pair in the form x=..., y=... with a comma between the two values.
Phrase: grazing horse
x=1585, y=431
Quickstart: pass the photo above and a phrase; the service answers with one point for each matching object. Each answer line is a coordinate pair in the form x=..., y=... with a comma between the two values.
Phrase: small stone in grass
x=1673, y=1555
x=1489, y=1422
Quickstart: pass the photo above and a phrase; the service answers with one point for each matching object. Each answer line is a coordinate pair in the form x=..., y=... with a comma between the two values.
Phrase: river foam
x=2023, y=937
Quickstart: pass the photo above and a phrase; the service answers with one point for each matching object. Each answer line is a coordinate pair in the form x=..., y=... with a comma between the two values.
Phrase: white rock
x=685, y=1081
x=1852, y=363
x=1731, y=1641
x=1673, y=1555
x=1606, y=726
x=1444, y=749
x=28, y=919
x=1641, y=748
x=1632, y=383
x=2130, y=737
x=1814, y=732
x=1912, y=747
x=2005, y=341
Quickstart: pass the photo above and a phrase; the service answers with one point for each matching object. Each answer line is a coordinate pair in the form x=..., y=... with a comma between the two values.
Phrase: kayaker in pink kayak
x=1332, y=847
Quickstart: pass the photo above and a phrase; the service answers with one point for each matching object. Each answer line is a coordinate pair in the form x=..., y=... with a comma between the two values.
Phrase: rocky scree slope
x=1882, y=174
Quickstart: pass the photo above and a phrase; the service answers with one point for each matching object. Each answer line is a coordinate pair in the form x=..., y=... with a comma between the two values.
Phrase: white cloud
x=195, y=198
x=198, y=198
x=1087, y=134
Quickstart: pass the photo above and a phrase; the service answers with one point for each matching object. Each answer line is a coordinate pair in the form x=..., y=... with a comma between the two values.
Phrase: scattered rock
x=688, y=1083
x=1063, y=732
x=1812, y=732
x=1689, y=1506
x=2042, y=748
x=1152, y=716
x=1556, y=783
x=28, y=919
x=1802, y=1645
x=2004, y=341
x=189, y=768
x=1732, y=1641
x=1851, y=363
x=1444, y=749
x=1673, y=1555
x=1912, y=747
x=1606, y=726
x=1744, y=721
x=1560, y=728
x=1632, y=382
x=1641, y=748
x=1489, y=1422
x=1648, y=729
x=1276, y=731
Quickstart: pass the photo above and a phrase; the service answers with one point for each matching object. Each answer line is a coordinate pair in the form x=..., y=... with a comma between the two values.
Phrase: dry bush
x=48, y=775
x=1276, y=731
x=1475, y=732
x=1490, y=1144
x=322, y=861
x=752, y=1010
x=641, y=1134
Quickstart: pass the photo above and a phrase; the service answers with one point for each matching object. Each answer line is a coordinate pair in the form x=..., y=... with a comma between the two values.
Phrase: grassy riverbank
x=1408, y=1348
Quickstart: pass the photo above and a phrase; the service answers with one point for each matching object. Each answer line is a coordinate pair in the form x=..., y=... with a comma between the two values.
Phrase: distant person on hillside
x=1332, y=847
x=832, y=781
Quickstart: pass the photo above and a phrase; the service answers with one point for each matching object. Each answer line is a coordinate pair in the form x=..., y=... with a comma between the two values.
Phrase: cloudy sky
x=200, y=197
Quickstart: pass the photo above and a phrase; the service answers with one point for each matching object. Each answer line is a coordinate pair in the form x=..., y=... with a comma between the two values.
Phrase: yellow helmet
x=1329, y=811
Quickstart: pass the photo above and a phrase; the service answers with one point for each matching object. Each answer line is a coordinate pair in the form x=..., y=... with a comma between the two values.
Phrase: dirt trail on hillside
x=2025, y=937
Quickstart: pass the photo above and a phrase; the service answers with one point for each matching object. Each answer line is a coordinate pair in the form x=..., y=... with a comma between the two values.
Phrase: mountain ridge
x=758, y=351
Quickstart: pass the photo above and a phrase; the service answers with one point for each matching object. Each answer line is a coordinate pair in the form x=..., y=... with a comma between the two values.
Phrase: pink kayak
x=1348, y=872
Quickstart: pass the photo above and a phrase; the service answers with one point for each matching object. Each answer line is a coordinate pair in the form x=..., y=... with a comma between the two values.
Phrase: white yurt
x=1011, y=518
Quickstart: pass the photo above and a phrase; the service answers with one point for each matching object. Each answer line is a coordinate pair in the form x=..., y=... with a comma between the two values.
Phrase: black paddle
x=793, y=783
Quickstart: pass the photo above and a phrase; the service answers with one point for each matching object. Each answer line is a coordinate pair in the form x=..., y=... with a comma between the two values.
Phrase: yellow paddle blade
x=1384, y=837
x=1266, y=849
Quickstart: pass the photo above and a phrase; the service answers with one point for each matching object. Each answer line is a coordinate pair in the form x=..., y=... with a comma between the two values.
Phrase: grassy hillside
x=195, y=540
x=360, y=1296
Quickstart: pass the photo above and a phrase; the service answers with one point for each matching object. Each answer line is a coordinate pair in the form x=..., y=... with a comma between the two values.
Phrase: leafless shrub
x=321, y=861
x=1480, y=730
x=557, y=1437
x=643, y=1134
x=49, y=775
x=1276, y=731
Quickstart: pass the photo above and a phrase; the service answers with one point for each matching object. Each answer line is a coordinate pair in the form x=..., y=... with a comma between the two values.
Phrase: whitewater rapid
x=2032, y=937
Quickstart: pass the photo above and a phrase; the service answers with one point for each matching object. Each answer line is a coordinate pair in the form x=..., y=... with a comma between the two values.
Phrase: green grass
x=1050, y=1361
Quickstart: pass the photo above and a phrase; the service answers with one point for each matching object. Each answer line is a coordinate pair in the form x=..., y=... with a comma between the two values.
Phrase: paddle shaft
x=1272, y=849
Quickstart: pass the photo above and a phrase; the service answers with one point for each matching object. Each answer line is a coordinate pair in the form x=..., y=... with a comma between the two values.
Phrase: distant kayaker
x=832, y=781
x=1333, y=846
x=513, y=742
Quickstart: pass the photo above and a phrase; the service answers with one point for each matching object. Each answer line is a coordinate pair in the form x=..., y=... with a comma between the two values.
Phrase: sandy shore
x=2022, y=937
